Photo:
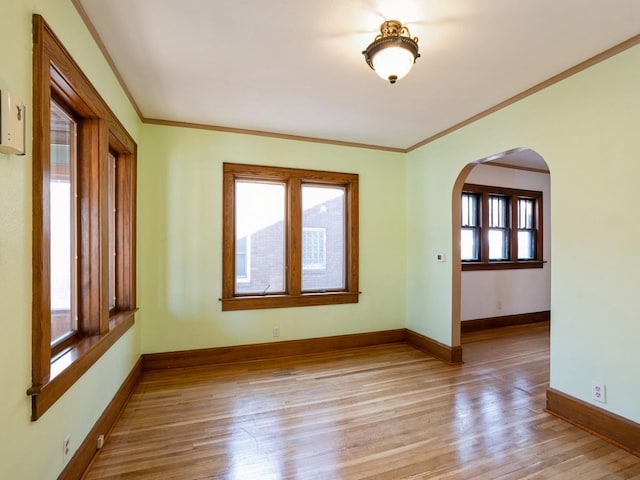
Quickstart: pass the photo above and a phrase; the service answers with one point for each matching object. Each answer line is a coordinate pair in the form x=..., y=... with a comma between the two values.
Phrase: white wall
x=495, y=293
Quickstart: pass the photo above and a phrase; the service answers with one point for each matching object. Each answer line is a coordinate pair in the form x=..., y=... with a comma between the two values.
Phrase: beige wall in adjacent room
x=495, y=293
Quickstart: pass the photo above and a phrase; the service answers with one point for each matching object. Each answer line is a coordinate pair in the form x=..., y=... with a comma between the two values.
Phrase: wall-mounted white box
x=12, y=124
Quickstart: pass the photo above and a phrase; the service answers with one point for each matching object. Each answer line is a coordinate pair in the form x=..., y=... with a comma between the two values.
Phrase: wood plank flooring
x=385, y=412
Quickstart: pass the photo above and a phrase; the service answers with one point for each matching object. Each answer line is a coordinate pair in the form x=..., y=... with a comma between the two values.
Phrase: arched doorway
x=502, y=292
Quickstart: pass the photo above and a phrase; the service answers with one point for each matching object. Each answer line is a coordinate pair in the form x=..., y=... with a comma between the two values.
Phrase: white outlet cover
x=599, y=392
x=66, y=448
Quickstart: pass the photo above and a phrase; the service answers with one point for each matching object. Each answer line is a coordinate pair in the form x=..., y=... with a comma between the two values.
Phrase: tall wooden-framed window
x=303, y=231
x=501, y=228
x=471, y=227
x=84, y=167
x=528, y=219
x=112, y=214
x=63, y=227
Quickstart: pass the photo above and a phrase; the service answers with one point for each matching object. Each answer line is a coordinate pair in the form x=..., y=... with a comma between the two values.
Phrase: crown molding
x=631, y=42
x=621, y=47
x=284, y=136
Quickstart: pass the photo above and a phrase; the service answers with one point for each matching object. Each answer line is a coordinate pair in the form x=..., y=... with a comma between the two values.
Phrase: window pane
x=469, y=210
x=497, y=211
x=260, y=214
x=498, y=245
x=62, y=227
x=112, y=230
x=242, y=258
x=498, y=228
x=525, y=213
x=323, y=235
x=468, y=245
x=526, y=250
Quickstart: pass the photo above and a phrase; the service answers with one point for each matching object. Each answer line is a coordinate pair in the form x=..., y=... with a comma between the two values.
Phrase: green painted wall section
x=180, y=240
x=586, y=128
x=33, y=450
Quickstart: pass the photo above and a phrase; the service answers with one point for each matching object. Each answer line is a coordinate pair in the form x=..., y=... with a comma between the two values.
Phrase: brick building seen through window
x=259, y=254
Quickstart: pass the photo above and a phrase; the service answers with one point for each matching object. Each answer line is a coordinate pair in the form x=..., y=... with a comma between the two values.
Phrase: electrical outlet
x=276, y=332
x=499, y=304
x=598, y=392
x=66, y=448
x=100, y=442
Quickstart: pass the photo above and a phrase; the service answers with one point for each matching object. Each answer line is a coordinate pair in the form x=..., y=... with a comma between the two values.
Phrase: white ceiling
x=295, y=67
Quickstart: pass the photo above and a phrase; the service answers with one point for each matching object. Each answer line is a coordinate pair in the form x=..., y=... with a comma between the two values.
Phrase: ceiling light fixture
x=392, y=54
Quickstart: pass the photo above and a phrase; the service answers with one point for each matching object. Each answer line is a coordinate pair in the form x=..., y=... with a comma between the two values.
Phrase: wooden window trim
x=476, y=227
x=513, y=263
x=293, y=179
x=487, y=227
x=57, y=76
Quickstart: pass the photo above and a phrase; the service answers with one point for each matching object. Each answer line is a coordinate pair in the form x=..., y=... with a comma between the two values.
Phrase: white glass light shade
x=393, y=63
x=393, y=52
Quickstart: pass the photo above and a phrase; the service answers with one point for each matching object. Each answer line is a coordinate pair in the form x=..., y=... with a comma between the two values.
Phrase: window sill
x=286, y=301
x=70, y=365
x=473, y=266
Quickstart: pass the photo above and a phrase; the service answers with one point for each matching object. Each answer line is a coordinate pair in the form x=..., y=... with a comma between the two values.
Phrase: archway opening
x=501, y=284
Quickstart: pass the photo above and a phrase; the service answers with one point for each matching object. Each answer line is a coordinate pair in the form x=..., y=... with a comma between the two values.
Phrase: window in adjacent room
x=470, y=235
x=303, y=226
x=527, y=231
x=500, y=228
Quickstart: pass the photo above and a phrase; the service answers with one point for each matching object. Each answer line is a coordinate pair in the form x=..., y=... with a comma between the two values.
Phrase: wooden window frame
x=484, y=191
x=532, y=230
x=69, y=338
x=56, y=76
x=477, y=228
x=507, y=201
x=293, y=179
x=112, y=192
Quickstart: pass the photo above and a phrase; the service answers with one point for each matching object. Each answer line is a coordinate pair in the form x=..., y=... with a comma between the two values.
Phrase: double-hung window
x=471, y=228
x=290, y=237
x=84, y=166
x=501, y=228
x=527, y=228
x=63, y=226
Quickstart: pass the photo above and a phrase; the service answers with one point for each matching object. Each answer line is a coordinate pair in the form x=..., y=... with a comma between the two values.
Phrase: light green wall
x=33, y=450
x=586, y=128
x=180, y=240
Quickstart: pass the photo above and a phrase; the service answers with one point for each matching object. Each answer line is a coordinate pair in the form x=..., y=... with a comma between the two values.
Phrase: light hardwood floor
x=387, y=412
